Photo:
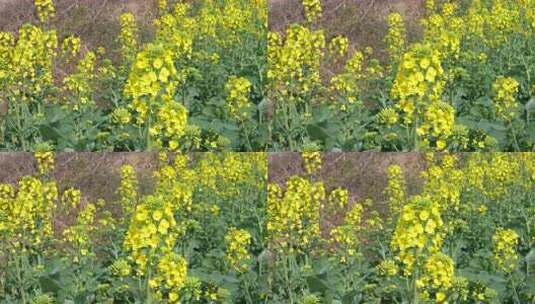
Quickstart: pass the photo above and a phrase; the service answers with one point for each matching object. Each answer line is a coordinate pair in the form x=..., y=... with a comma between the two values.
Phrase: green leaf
x=530, y=259
x=316, y=284
x=263, y=106
x=530, y=284
x=321, y=114
x=49, y=284
x=350, y=297
x=317, y=132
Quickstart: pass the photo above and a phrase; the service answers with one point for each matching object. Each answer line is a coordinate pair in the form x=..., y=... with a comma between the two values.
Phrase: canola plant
x=464, y=84
x=195, y=84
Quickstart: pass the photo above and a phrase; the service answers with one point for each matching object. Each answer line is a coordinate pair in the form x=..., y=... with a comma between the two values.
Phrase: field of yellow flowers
x=190, y=239
x=210, y=76
x=197, y=227
x=465, y=83
x=213, y=229
x=197, y=84
x=464, y=234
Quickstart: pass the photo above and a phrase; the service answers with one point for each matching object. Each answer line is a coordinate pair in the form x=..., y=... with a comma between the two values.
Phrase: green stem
x=147, y=133
x=287, y=279
x=20, y=280
x=515, y=293
x=20, y=123
x=415, y=288
x=148, y=290
x=415, y=135
x=515, y=140
x=247, y=139
x=285, y=109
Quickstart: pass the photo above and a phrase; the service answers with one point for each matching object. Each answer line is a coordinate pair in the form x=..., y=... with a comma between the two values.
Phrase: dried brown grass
x=96, y=22
x=362, y=174
x=97, y=175
x=362, y=21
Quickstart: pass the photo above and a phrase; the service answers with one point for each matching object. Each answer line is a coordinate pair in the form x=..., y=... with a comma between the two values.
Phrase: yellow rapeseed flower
x=238, y=90
x=238, y=241
x=505, y=255
x=313, y=10
x=45, y=10
x=505, y=101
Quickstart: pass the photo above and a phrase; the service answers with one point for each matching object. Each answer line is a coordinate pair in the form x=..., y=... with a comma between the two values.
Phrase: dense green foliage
x=198, y=84
x=465, y=84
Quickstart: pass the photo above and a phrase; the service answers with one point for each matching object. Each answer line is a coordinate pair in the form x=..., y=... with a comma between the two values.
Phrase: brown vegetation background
x=362, y=21
x=97, y=175
x=362, y=173
x=96, y=22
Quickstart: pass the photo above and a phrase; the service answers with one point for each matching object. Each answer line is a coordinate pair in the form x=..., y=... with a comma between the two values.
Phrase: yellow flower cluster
x=172, y=272
x=7, y=40
x=221, y=23
x=238, y=241
x=504, y=101
x=176, y=31
x=45, y=10
x=313, y=10
x=28, y=213
x=490, y=176
x=71, y=198
x=234, y=17
x=438, y=122
x=347, y=82
x=121, y=116
x=293, y=215
x=121, y=268
x=171, y=124
x=294, y=64
x=71, y=46
x=80, y=83
x=339, y=198
x=128, y=189
x=505, y=255
x=338, y=46
x=503, y=19
x=80, y=235
x=153, y=72
x=419, y=85
x=128, y=37
x=45, y=161
x=388, y=268
x=238, y=90
x=6, y=194
x=438, y=276
x=346, y=235
x=216, y=172
x=396, y=189
x=419, y=79
x=152, y=231
x=162, y=5
x=429, y=6
x=152, y=85
x=311, y=162
x=28, y=62
x=388, y=116
x=396, y=37
x=418, y=232
x=444, y=31
x=495, y=22
x=444, y=182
